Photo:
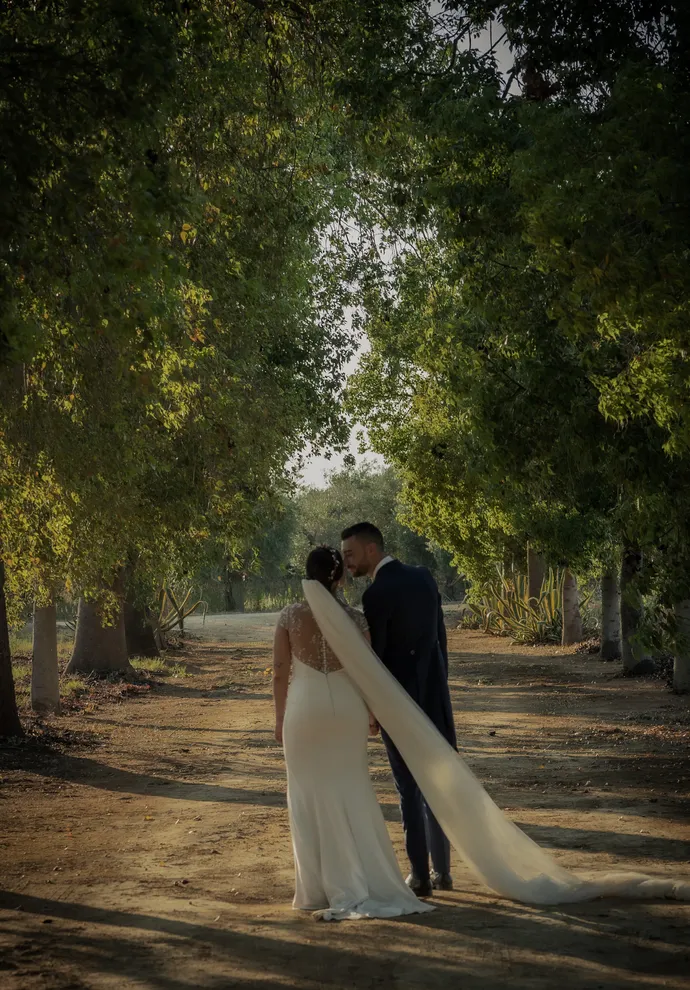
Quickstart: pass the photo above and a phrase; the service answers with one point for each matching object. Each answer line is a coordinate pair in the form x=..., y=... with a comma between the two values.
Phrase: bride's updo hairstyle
x=325, y=564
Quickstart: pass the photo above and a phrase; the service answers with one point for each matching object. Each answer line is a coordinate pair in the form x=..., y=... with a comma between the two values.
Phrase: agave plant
x=172, y=613
x=505, y=609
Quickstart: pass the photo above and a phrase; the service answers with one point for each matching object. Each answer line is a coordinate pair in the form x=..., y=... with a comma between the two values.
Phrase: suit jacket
x=403, y=609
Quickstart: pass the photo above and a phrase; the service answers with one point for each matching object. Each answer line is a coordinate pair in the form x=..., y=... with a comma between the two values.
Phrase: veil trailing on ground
x=495, y=849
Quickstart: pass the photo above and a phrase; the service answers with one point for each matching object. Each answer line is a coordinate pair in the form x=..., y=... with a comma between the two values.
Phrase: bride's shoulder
x=290, y=612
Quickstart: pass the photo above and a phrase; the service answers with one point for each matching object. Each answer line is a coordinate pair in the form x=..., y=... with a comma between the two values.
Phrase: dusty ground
x=149, y=848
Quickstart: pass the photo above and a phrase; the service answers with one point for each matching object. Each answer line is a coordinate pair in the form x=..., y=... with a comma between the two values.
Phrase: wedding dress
x=494, y=848
x=345, y=865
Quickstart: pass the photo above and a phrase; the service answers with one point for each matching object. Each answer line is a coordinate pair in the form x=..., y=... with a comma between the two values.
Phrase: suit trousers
x=423, y=834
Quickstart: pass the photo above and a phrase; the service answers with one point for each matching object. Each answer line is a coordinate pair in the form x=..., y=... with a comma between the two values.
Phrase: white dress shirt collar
x=382, y=563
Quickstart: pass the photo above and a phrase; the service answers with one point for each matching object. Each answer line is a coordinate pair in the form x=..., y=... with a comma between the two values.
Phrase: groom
x=403, y=608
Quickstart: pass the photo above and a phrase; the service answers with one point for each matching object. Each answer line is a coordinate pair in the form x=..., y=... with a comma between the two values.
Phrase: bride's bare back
x=306, y=642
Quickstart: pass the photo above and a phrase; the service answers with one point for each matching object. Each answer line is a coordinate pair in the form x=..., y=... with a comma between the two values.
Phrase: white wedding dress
x=345, y=865
x=494, y=848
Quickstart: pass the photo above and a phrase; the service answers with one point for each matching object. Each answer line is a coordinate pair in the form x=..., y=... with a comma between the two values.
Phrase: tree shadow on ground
x=92, y=773
x=508, y=698
x=486, y=943
x=607, y=841
x=201, y=729
x=237, y=692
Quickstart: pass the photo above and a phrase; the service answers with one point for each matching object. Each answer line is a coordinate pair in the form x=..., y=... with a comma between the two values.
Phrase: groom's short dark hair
x=365, y=531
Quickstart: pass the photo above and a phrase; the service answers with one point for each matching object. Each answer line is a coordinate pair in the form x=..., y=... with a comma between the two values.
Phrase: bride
x=345, y=866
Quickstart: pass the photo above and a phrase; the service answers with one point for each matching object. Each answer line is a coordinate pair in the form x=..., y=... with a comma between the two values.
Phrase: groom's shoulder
x=430, y=579
x=415, y=571
x=426, y=573
x=418, y=575
x=387, y=579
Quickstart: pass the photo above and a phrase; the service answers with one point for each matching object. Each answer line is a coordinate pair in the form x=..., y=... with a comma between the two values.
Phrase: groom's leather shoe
x=422, y=888
x=441, y=881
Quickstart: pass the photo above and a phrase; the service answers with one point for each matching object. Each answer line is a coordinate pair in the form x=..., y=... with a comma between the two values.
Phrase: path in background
x=256, y=627
x=154, y=851
x=234, y=627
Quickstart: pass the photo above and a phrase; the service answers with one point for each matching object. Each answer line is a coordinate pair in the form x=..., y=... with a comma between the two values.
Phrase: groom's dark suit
x=403, y=609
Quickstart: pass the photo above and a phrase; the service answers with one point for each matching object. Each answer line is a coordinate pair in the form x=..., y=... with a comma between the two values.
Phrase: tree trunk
x=535, y=573
x=45, y=676
x=9, y=716
x=139, y=634
x=681, y=661
x=99, y=649
x=635, y=660
x=139, y=630
x=572, y=622
x=234, y=591
x=610, y=648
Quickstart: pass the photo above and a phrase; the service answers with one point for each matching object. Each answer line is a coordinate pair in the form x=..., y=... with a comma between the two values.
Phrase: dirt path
x=154, y=851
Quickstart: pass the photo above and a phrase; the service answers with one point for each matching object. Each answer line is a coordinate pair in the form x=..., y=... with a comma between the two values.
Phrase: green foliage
x=271, y=596
x=191, y=199
x=22, y=674
x=70, y=688
x=358, y=494
x=159, y=666
x=73, y=687
x=269, y=572
x=21, y=641
x=503, y=607
x=168, y=283
x=528, y=372
x=173, y=204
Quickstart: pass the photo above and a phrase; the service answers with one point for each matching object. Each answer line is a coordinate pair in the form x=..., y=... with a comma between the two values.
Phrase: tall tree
x=172, y=280
x=167, y=283
x=527, y=372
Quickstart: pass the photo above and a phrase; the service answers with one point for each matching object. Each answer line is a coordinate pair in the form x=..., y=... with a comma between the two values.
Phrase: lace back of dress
x=324, y=657
x=307, y=644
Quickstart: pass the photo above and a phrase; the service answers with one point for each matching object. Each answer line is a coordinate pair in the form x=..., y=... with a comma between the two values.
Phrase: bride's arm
x=281, y=676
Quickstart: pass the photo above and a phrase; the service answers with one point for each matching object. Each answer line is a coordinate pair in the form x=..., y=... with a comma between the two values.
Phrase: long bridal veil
x=495, y=849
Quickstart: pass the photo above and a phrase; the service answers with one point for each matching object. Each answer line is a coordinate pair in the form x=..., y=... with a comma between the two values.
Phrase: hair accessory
x=336, y=561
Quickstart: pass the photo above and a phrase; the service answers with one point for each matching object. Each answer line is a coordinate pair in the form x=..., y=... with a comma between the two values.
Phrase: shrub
x=502, y=608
